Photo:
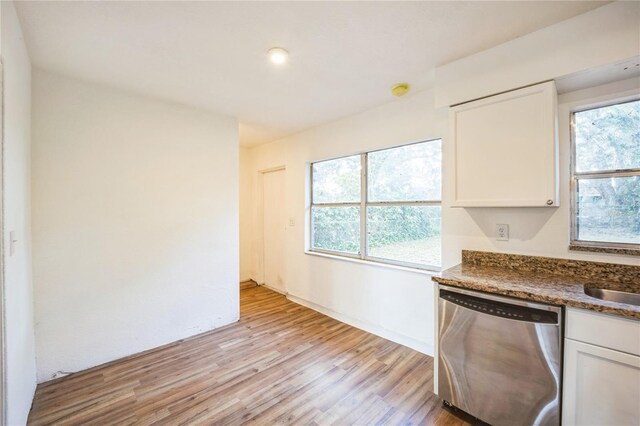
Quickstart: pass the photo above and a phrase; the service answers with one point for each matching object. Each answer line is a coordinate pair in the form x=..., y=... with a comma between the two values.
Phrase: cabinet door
x=505, y=149
x=601, y=386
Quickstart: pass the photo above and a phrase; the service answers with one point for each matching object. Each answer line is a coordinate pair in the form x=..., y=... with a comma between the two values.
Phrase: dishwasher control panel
x=499, y=309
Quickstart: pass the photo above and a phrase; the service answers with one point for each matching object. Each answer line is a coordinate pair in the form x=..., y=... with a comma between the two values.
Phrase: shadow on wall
x=524, y=223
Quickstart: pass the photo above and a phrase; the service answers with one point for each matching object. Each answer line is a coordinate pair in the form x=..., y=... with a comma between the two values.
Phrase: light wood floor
x=247, y=284
x=281, y=363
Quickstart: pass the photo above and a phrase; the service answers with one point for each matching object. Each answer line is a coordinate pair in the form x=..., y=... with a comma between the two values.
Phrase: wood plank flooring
x=247, y=284
x=282, y=363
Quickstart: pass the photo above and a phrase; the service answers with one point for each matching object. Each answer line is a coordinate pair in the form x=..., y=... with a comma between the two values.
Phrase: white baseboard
x=274, y=289
x=414, y=344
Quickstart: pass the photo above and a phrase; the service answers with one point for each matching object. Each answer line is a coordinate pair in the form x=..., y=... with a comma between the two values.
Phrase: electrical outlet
x=502, y=232
x=292, y=221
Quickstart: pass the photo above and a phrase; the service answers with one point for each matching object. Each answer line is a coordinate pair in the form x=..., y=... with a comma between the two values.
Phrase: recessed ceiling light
x=278, y=55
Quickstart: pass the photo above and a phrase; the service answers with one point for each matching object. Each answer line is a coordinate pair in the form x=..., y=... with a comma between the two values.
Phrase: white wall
x=18, y=292
x=135, y=223
x=394, y=303
x=599, y=37
x=390, y=302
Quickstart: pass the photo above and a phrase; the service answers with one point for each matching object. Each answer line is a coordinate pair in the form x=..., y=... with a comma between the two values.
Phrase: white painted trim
x=284, y=293
x=260, y=220
x=3, y=372
x=428, y=272
x=436, y=335
x=272, y=169
x=409, y=342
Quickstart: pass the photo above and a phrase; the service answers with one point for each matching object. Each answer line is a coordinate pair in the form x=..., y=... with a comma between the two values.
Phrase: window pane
x=608, y=138
x=407, y=173
x=337, y=181
x=609, y=209
x=336, y=228
x=404, y=233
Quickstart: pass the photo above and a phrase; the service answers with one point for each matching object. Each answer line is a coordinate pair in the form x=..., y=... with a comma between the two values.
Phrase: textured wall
x=135, y=223
x=18, y=291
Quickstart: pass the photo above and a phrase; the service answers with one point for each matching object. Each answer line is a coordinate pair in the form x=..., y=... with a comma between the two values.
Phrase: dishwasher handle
x=500, y=309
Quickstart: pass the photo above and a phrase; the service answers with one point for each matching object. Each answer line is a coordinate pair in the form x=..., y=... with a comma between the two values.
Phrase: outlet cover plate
x=502, y=232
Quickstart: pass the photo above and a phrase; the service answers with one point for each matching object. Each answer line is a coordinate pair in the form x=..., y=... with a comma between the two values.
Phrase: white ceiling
x=345, y=56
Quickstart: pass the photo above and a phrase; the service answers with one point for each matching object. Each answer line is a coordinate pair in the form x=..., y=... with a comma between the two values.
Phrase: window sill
x=429, y=272
x=606, y=249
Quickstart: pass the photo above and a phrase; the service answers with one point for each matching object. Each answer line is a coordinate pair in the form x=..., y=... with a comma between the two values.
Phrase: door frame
x=260, y=222
x=3, y=375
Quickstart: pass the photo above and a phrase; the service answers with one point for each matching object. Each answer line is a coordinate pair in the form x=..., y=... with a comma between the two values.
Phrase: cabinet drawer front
x=601, y=386
x=600, y=329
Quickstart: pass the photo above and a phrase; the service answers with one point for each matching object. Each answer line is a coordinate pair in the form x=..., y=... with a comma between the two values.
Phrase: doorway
x=274, y=226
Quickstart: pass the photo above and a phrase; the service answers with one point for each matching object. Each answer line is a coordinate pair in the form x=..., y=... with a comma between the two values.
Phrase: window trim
x=364, y=202
x=605, y=246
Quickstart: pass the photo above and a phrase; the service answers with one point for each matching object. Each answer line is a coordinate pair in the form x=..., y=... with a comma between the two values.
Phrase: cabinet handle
x=549, y=202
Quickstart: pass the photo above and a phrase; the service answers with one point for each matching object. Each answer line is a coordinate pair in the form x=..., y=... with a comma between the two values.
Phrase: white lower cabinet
x=601, y=385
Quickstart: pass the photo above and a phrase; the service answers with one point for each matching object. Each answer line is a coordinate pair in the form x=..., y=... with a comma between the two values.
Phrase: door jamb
x=3, y=372
x=260, y=222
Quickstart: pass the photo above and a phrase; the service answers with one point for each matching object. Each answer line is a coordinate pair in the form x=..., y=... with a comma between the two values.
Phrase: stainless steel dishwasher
x=499, y=358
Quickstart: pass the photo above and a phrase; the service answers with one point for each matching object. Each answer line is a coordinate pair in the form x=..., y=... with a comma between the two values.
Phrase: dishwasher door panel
x=503, y=371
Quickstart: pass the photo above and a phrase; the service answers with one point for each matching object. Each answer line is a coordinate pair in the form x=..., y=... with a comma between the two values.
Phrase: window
x=382, y=206
x=606, y=176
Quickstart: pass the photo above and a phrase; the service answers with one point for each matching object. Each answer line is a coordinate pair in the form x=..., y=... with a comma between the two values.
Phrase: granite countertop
x=547, y=280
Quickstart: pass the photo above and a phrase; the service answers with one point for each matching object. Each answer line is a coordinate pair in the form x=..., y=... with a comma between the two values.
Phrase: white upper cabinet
x=506, y=149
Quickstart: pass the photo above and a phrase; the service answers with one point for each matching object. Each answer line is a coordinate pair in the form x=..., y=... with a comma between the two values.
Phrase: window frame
x=363, y=251
x=576, y=176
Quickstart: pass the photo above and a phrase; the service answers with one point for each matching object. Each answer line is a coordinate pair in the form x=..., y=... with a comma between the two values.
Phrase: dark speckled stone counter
x=544, y=279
